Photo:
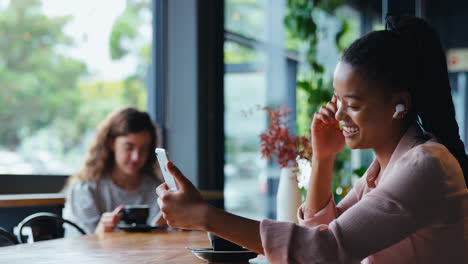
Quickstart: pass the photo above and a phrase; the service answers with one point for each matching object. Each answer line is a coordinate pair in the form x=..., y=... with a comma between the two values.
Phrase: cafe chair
x=6, y=238
x=44, y=226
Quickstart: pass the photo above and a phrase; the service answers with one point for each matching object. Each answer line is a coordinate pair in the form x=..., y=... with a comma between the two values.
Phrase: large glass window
x=64, y=65
x=257, y=43
x=246, y=17
x=245, y=90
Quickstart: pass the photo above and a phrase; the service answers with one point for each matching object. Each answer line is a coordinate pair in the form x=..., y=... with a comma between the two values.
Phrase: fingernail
x=170, y=165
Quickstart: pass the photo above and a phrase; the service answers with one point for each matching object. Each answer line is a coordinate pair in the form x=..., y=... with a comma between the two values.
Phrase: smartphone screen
x=162, y=159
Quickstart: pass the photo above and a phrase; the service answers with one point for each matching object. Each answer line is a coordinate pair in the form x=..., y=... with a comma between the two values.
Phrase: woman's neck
x=125, y=181
x=384, y=152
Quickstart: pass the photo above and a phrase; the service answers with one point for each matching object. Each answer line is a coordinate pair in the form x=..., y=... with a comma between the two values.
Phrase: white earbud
x=399, y=108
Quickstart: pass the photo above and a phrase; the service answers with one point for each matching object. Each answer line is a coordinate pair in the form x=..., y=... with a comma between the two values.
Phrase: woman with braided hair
x=391, y=95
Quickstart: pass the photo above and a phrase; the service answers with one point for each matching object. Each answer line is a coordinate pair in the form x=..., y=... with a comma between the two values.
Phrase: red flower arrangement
x=279, y=141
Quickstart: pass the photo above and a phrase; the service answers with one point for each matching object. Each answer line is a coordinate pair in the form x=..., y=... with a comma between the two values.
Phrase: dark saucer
x=136, y=227
x=223, y=256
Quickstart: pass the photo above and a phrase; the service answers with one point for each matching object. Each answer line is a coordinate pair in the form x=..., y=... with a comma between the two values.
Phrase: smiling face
x=364, y=111
x=131, y=151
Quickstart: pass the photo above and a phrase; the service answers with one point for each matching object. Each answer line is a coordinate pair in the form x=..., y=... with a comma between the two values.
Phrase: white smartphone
x=162, y=160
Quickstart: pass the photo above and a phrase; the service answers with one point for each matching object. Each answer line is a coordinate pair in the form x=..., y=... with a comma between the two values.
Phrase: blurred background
x=202, y=69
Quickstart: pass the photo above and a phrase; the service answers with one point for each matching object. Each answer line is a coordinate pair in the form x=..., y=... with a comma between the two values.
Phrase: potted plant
x=280, y=143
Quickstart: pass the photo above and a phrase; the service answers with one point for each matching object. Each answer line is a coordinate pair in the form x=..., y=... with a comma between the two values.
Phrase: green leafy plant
x=315, y=87
x=360, y=171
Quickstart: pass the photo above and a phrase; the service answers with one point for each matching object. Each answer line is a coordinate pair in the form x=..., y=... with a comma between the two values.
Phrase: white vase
x=288, y=197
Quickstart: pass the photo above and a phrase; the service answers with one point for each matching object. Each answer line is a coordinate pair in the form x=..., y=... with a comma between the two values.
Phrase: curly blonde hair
x=100, y=157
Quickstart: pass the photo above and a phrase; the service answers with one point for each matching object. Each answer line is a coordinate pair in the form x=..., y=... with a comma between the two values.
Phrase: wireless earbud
x=399, y=108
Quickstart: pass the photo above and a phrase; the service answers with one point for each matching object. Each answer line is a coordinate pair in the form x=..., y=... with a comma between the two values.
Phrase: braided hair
x=408, y=56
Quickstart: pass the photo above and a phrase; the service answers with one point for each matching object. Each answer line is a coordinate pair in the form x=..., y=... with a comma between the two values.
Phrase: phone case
x=162, y=159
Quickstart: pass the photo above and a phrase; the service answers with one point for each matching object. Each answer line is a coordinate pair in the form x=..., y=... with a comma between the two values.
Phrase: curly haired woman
x=120, y=169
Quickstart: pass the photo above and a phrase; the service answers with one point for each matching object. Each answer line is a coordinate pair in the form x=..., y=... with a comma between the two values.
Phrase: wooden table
x=117, y=247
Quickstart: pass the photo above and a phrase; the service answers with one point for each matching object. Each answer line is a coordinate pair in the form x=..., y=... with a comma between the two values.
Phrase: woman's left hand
x=109, y=220
x=185, y=207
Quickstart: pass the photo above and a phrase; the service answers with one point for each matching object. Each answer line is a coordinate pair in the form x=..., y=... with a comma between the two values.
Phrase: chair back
x=44, y=226
x=6, y=238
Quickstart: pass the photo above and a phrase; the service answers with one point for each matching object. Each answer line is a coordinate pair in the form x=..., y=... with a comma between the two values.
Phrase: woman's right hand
x=109, y=220
x=327, y=138
x=185, y=207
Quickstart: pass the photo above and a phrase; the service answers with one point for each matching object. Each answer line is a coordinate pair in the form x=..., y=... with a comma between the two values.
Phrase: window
x=64, y=65
x=245, y=91
x=263, y=58
x=243, y=123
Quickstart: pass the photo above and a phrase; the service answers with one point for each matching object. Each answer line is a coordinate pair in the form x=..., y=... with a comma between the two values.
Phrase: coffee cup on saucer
x=221, y=244
x=135, y=214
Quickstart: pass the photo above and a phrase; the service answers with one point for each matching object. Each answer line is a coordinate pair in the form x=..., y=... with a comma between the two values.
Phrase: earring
x=399, y=108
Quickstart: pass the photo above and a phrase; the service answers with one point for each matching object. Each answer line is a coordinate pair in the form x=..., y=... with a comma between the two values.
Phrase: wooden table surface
x=117, y=247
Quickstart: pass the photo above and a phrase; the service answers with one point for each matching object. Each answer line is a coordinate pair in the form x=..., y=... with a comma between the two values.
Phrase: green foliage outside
x=44, y=89
x=235, y=53
x=126, y=29
x=314, y=85
x=246, y=17
x=37, y=83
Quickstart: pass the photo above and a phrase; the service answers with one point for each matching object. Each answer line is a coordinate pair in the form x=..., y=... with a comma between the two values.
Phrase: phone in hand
x=162, y=160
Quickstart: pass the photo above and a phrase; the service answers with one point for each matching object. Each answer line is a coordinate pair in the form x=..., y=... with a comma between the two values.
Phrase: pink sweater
x=415, y=212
